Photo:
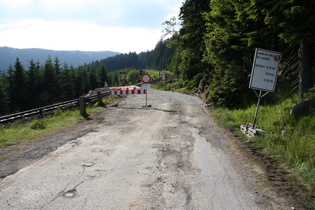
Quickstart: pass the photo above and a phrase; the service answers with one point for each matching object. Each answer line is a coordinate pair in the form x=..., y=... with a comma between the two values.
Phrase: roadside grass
x=26, y=132
x=290, y=139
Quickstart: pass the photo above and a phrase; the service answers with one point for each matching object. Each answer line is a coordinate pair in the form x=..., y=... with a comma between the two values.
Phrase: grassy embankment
x=290, y=139
x=29, y=131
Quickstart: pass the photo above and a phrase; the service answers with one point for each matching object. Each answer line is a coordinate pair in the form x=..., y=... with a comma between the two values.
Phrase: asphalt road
x=168, y=156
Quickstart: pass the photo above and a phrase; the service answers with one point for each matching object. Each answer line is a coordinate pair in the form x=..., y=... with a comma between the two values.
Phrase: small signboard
x=265, y=70
x=145, y=86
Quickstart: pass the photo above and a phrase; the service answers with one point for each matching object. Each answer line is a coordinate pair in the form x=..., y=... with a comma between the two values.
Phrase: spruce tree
x=19, y=92
x=51, y=94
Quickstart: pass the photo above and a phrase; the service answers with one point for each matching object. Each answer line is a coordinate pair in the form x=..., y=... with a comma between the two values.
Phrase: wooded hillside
x=72, y=58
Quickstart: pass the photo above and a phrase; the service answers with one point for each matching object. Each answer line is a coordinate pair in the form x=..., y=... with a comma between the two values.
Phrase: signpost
x=146, y=78
x=264, y=74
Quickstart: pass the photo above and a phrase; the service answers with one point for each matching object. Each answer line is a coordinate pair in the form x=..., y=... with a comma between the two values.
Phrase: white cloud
x=71, y=4
x=16, y=3
x=60, y=35
x=120, y=25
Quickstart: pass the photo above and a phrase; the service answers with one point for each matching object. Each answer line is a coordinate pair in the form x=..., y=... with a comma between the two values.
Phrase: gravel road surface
x=168, y=156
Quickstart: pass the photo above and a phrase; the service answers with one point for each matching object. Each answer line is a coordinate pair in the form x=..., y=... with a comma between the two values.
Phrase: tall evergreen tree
x=93, y=76
x=102, y=72
x=67, y=83
x=19, y=92
x=296, y=20
x=4, y=98
x=58, y=69
x=191, y=46
x=35, y=83
x=81, y=82
x=51, y=94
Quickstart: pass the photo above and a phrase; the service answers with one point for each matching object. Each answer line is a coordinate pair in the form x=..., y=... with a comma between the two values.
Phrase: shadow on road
x=148, y=108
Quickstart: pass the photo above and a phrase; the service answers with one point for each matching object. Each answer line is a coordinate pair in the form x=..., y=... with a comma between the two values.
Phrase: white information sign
x=265, y=70
x=145, y=86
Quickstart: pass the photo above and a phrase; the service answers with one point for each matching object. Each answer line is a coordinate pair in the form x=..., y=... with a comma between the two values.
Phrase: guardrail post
x=82, y=106
x=99, y=97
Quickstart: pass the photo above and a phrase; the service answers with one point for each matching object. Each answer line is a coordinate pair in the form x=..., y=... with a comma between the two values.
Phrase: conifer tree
x=19, y=92
x=102, y=72
x=67, y=83
x=35, y=83
x=51, y=94
x=191, y=46
x=4, y=98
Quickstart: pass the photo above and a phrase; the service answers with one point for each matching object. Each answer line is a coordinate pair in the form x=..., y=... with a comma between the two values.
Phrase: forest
x=215, y=45
x=23, y=88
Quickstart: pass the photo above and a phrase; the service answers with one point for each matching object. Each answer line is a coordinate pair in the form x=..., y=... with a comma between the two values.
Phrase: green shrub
x=58, y=112
x=39, y=125
x=104, y=102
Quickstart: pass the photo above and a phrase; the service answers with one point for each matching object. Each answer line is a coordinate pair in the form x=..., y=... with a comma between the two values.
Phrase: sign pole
x=257, y=107
x=146, y=78
x=258, y=103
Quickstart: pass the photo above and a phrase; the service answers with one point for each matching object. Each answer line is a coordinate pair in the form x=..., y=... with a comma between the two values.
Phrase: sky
x=88, y=25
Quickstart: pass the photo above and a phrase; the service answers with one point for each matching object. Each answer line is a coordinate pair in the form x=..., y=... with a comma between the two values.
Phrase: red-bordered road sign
x=146, y=78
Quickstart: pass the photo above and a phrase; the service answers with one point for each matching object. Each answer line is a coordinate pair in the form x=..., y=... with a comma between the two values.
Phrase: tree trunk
x=305, y=69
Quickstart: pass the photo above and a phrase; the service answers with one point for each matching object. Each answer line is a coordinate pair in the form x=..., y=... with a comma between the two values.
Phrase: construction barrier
x=131, y=90
x=207, y=91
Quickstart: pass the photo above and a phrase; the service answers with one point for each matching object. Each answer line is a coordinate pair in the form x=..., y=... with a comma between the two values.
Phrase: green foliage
x=18, y=88
x=288, y=138
x=103, y=103
x=39, y=125
x=58, y=112
x=191, y=45
x=133, y=76
x=4, y=98
x=158, y=58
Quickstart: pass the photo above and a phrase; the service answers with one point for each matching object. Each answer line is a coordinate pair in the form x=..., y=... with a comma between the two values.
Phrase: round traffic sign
x=146, y=78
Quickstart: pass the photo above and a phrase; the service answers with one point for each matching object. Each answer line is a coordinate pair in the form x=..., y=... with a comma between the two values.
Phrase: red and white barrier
x=207, y=91
x=131, y=90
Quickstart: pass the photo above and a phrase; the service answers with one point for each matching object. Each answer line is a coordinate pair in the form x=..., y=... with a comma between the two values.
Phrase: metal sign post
x=257, y=107
x=264, y=74
x=146, y=78
x=263, y=78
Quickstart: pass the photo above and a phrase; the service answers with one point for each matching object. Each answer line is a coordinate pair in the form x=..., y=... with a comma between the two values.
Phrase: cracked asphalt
x=168, y=156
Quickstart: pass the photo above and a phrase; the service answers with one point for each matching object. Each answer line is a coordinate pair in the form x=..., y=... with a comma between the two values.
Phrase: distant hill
x=8, y=56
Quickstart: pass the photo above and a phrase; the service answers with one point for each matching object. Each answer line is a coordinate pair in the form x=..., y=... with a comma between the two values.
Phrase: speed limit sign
x=146, y=78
